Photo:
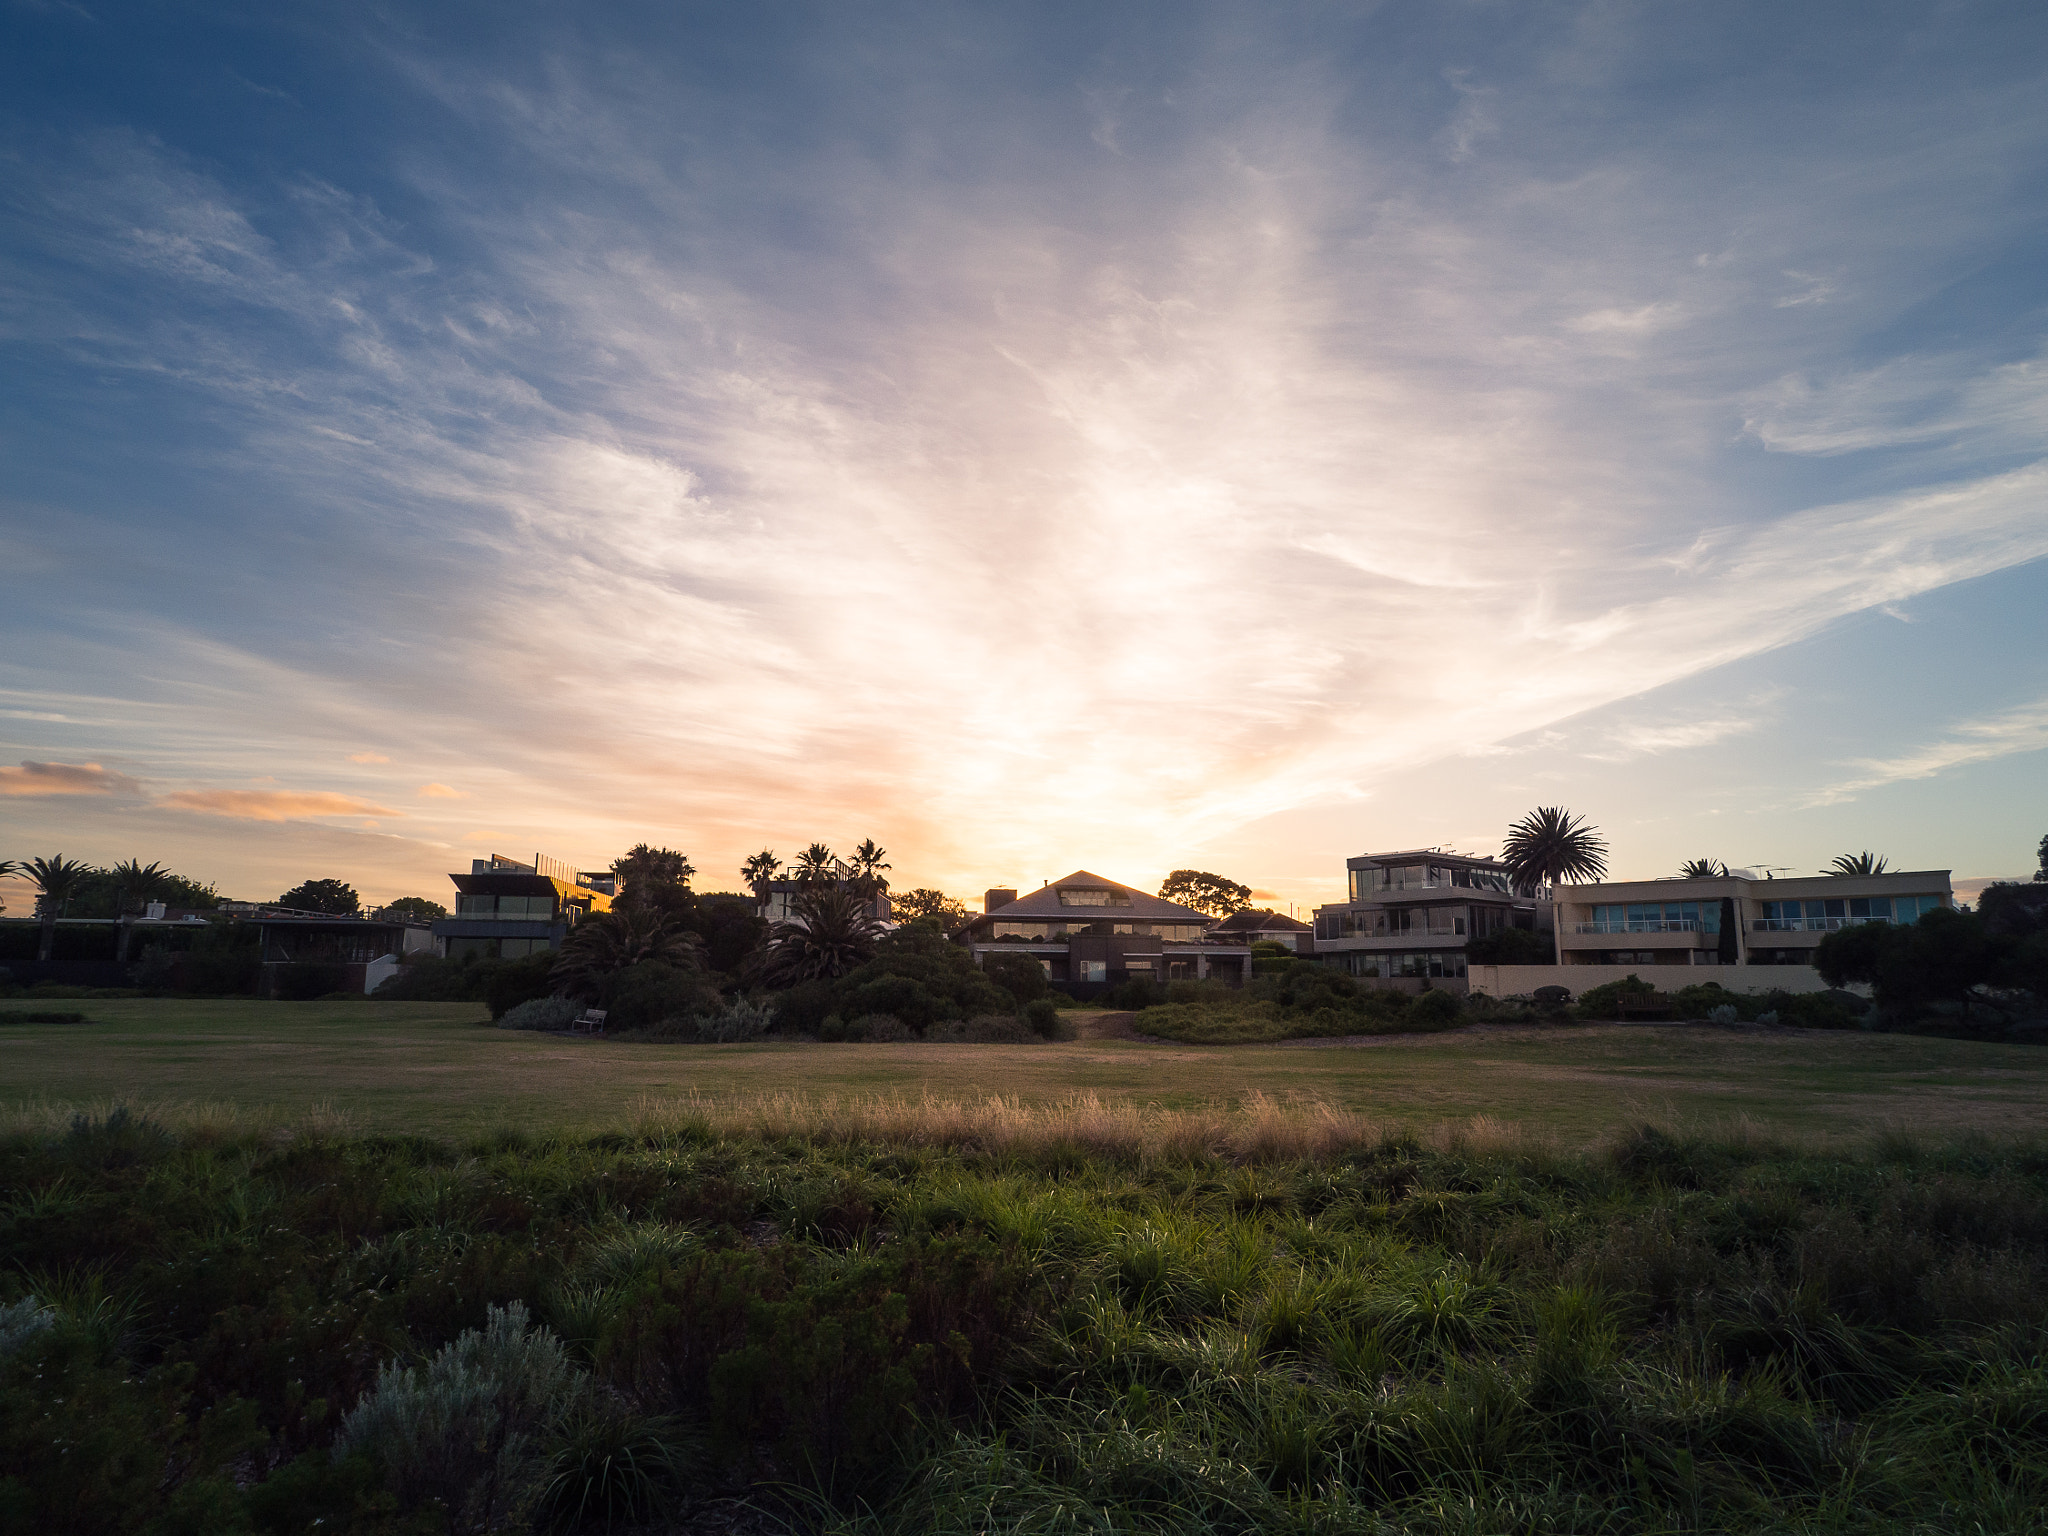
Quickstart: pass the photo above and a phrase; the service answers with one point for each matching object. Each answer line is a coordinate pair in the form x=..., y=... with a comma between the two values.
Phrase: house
x=364, y=948
x=1250, y=927
x=1408, y=916
x=1733, y=919
x=1091, y=933
x=505, y=909
x=775, y=899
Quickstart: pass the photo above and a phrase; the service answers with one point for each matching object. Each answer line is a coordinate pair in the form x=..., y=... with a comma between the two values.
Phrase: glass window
x=1094, y=970
x=1867, y=908
x=1835, y=908
x=1092, y=896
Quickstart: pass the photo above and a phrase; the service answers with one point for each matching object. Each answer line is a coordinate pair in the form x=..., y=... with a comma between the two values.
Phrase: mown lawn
x=439, y=1068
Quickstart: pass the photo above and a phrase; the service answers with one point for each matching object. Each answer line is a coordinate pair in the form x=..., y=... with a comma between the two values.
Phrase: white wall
x=1521, y=980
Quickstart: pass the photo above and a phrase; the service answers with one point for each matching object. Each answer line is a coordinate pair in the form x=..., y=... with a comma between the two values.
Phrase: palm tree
x=1550, y=845
x=868, y=864
x=134, y=882
x=759, y=870
x=816, y=866
x=829, y=932
x=1702, y=869
x=624, y=936
x=9, y=867
x=56, y=881
x=1856, y=864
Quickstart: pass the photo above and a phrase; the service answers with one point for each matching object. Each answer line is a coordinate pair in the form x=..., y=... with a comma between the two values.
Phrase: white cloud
x=2022, y=729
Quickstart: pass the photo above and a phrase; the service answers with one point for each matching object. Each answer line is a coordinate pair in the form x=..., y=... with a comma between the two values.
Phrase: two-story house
x=505, y=909
x=1408, y=916
x=1090, y=934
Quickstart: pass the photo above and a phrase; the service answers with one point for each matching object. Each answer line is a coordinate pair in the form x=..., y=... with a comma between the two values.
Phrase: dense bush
x=541, y=1013
x=1670, y=1333
x=642, y=996
x=508, y=983
x=1019, y=975
x=1437, y=1006
x=433, y=979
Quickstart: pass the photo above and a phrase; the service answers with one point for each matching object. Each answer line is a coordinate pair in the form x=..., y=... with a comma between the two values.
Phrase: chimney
x=996, y=897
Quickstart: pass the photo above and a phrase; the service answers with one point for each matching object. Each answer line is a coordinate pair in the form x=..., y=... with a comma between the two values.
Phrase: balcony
x=1810, y=924
x=1644, y=925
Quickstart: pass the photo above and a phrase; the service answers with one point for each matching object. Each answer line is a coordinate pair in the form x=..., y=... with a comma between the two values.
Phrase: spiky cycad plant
x=1857, y=864
x=613, y=940
x=1549, y=845
x=829, y=932
x=1702, y=869
x=56, y=881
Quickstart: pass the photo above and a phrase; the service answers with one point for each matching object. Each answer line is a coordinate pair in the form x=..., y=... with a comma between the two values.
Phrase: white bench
x=591, y=1019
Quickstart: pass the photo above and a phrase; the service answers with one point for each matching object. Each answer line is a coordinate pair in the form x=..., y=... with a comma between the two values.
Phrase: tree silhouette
x=816, y=866
x=1856, y=864
x=759, y=870
x=868, y=864
x=1550, y=845
x=1205, y=892
x=333, y=898
x=134, y=883
x=56, y=880
x=1702, y=869
x=829, y=933
x=612, y=941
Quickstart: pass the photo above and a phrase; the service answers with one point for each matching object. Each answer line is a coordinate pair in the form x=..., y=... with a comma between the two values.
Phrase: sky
x=1033, y=436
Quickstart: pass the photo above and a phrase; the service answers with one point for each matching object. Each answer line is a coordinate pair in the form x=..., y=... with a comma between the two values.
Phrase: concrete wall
x=1521, y=980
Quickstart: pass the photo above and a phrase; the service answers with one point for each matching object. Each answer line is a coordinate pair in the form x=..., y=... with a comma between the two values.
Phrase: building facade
x=1267, y=926
x=1733, y=919
x=505, y=909
x=1408, y=916
x=1090, y=934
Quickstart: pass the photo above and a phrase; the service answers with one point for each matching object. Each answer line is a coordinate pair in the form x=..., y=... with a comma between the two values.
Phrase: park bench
x=1643, y=1004
x=590, y=1020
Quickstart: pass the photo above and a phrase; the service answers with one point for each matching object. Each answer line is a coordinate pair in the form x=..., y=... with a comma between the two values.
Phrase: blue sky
x=1032, y=436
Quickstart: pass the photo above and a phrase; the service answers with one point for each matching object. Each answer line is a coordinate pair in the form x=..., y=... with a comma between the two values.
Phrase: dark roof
x=1266, y=921
x=1045, y=902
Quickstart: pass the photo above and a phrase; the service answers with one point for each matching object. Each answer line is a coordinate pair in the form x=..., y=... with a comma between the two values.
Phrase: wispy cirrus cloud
x=32, y=780
x=2005, y=734
x=271, y=804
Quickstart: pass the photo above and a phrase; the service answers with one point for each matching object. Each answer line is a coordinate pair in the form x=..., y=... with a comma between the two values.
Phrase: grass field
x=438, y=1068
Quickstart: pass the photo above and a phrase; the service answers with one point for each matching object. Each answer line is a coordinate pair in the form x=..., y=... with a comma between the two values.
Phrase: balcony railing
x=1810, y=924
x=1641, y=925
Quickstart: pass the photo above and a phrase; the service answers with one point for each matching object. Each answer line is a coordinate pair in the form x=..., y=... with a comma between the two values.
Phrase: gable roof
x=1045, y=903
x=1266, y=921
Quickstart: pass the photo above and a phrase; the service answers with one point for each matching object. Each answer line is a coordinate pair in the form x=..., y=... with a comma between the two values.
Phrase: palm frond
x=1550, y=845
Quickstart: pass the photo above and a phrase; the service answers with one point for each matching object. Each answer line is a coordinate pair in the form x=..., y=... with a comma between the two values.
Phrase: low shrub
x=1136, y=992
x=541, y=1013
x=304, y=981
x=434, y=979
x=40, y=1016
x=1042, y=1014
x=738, y=1021
x=1438, y=1006
x=803, y=1009
x=469, y=1426
x=989, y=1029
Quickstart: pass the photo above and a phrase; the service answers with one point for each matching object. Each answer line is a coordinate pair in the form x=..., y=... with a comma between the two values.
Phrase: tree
x=1205, y=892
x=56, y=881
x=1550, y=845
x=8, y=867
x=330, y=897
x=613, y=941
x=926, y=902
x=829, y=933
x=416, y=909
x=1856, y=864
x=647, y=875
x=758, y=871
x=134, y=883
x=1702, y=869
x=2041, y=858
x=815, y=866
x=868, y=864
x=1944, y=957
